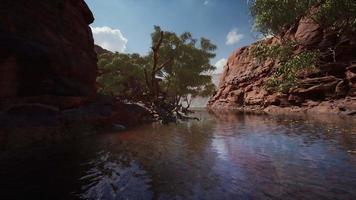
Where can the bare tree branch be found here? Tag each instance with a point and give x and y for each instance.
(165, 64)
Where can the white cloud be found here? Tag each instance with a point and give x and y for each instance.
(220, 64)
(110, 39)
(206, 2)
(233, 37)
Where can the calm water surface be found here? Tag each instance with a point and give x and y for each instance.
(222, 156)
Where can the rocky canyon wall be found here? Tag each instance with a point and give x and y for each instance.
(332, 89)
(48, 70)
(46, 48)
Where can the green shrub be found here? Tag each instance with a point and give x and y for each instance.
(288, 64)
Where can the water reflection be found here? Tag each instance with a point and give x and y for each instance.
(114, 177)
(222, 156)
(177, 157)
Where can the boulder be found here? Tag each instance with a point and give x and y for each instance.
(317, 88)
(308, 33)
(351, 78)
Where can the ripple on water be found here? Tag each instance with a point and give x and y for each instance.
(222, 156)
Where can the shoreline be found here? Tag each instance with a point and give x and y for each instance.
(293, 110)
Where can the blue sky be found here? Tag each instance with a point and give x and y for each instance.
(126, 25)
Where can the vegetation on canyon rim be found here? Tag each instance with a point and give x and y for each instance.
(175, 70)
(276, 17)
(289, 64)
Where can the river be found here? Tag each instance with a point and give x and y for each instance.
(222, 156)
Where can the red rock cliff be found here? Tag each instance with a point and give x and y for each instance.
(332, 89)
(46, 48)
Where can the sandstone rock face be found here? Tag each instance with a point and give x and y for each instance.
(46, 48)
(48, 70)
(331, 89)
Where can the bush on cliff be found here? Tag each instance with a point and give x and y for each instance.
(276, 17)
(289, 64)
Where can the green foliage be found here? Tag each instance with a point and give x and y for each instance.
(276, 16)
(298, 62)
(286, 76)
(288, 64)
(121, 75)
(127, 75)
(188, 72)
(337, 14)
(279, 52)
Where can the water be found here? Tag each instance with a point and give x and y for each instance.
(222, 156)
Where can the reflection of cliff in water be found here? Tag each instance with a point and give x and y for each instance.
(308, 127)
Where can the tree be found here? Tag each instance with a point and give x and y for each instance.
(182, 63)
(121, 75)
(277, 16)
(176, 68)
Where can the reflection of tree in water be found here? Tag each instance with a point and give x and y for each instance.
(114, 177)
(178, 160)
